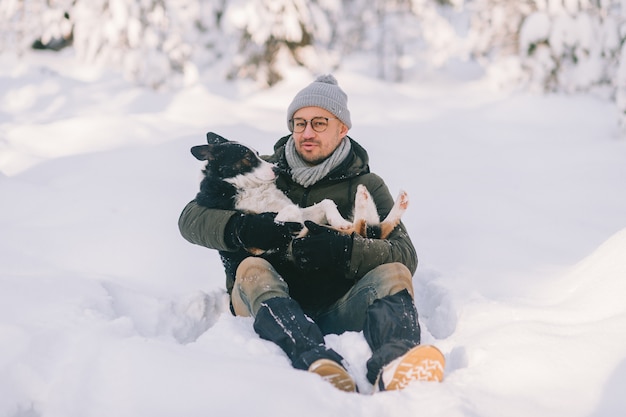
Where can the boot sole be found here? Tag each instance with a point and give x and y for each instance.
(334, 373)
(422, 363)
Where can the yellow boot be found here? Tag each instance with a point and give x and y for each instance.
(421, 363)
(334, 373)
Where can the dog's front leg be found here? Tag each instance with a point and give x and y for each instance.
(290, 213)
(332, 215)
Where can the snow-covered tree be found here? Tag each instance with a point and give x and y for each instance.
(401, 35)
(272, 34)
(572, 45)
(152, 40)
(495, 27)
(24, 22)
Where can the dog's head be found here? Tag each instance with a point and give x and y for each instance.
(232, 161)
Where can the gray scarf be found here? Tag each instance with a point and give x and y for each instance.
(307, 175)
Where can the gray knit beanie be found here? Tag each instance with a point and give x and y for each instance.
(325, 93)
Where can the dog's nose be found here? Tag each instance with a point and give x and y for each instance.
(276, 170)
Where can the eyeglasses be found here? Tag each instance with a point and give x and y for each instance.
(319, 124)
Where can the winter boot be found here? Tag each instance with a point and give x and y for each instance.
(334, 373)
(282, 321)
(391, 329)
(422, 363)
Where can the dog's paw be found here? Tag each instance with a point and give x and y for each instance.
(362, 198)
(343, 225)
(335, 220)
(289, 214)
(403, 200)
(364, 206)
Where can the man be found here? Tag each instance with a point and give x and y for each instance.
(335, 282)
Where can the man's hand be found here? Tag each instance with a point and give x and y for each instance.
(259, 231)
(322, 249)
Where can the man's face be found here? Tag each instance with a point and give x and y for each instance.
(314, 147)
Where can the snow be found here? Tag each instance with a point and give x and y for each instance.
(518, 214)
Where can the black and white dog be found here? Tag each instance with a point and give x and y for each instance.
(236, 178)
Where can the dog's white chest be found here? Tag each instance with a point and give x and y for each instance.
(261, 199)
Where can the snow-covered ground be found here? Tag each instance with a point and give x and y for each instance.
(518, 214)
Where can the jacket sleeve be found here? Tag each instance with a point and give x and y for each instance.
(367, 253)
(204, 226)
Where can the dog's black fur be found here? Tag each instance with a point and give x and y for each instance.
(225, 159)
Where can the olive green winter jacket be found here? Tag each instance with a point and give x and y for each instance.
(205, 227)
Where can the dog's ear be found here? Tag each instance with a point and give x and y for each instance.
(201, 152)
(215, 139)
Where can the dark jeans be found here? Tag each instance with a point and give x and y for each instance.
(380, 304)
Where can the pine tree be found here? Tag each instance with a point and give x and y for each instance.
(37, 23)
(571, 45)
(273, 34)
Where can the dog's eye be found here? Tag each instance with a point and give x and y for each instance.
(249, 159)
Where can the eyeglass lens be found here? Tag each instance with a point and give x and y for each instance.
(319, 124)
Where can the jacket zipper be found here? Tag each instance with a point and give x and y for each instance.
(305, 197)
